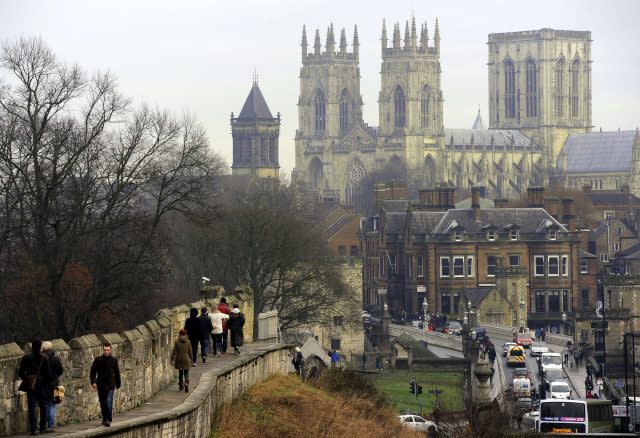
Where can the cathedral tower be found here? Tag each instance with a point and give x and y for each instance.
(255, 137)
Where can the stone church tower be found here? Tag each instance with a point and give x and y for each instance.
(255, 135)
(540, 83)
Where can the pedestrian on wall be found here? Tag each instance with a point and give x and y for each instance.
(235, 324)
(364, 360)
(543, 334)
(35, 373)
(378, 359)
(296, 361)
(182, 358)
(218, 322)
(55, 365)
(192, 326)
(600, 384)
(223, 307)
(105, 378)
(205, 333)
(334, 359)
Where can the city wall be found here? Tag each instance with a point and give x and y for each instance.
(143, 353)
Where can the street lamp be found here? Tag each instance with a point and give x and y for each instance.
(522, 321)
(425, 308)
(564, 321)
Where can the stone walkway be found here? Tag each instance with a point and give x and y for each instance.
(162, 401)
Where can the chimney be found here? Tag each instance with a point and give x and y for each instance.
(475, 203)
(569, 213)
(440, 198)
(535, 197)
(380, 193)
(396, 190)
(552, 205)
(500, 203)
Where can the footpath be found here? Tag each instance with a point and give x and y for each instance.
(577, 375)
(163, 401)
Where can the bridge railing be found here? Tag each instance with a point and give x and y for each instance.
(437, 339)
(506, 332)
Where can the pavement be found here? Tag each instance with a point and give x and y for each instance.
(164, 400)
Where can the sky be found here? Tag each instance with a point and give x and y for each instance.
(200, 56)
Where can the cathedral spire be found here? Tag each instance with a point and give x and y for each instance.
(316, 43)
(396, 36)
(384, 34)
(436, 37)
(407, 38)
(343, 42)
(304, 41)
(331, 41)
(423, 36)
(356, 41)
(413, 33)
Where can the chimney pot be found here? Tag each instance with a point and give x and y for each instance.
(475, 202)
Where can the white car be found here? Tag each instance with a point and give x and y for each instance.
(416, 422)
(560, 389)
(551, 361)
(538, 348)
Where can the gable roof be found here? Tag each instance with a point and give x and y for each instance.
(599, 152)
(528, 219)
(478, 294)
(631, 253)
(482, 137)
(255, 107)
(612, 197)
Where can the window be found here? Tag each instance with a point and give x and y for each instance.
(392, 263)
(609, 214)
(456, 302)
(457, 236)
(445, 302)
(565, 266)
(553, 266)
(552, 235)
(615, 247)
(335, 344)
(337, 321)
(584, 298)
(554, 300)
(604, 258)
(424, 108)
(559, 87)
(492, 262)
(381, 266)
(532, 88)
(584, 335)
(514, 260)
(458, 266)
(513, 234)
(584, 266)
(575, 88)
(565, 300)
(344, 112)
(540, 305)
(470, 271)
(491, 235)
(420, 268)
(445, 267)
(627, 269)
(539, 266)
(619, 231)
(509, 90)
(409, 266)
(320, 113)
(342, 251)
(399, 106)
(354, 250)
(599, 340)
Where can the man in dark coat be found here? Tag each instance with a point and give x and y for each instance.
(235, 324)
(105, 377)
(35, 373)
(223, 307)
(206, 326)
(56, 371)
(192, 326)
(296, 360)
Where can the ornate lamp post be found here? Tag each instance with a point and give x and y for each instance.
(523, 323)
(564, 322)
(425, 310)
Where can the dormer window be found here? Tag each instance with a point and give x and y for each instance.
(513, 234)
(552, 235)
(491, 235)
(457, 236)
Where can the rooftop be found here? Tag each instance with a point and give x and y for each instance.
(592, 152)
(255, 107)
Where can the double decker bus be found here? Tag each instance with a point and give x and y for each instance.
(575, 416)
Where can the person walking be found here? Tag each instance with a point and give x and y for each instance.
(600, 384)
(205, 333)
(105, 378)
(235, 324)
(378, 359)
(296, 360)
(218, 320)
(543, 334)
(223, 307)
(364, 360)
(192, 326)
(35, 372)
(55, 364)
(182, 358)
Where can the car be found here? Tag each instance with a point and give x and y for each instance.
(553, 375)
(523, 339)
(560, 389)
(529, 420)
(550, 361)
(524, 404)
(521, 373)
(515, 356)
(505, 348)
(481, 333)
(522, 387)
(538, 347)
(416, 422)
(454, 328)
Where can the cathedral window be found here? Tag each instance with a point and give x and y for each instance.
(315, 171)
(509, 90)
(353, 177)
(532, 88)
(424, 107)
(559, 87)
(344, 112)
(575, 88)
(399, 106)
(320, 107)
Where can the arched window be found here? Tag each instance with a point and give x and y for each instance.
(273, 159)
(509, 90)
(264, 149)
(559, 87)
(321, 120)
(399, 106)
(429, 170)
(355, 173)
(575, 88)
(344, 112)
(532, 88)
(424, 107)
(316, 173)
(247, 155)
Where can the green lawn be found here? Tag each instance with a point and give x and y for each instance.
(396, 384)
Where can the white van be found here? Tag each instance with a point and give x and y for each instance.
(551, 361)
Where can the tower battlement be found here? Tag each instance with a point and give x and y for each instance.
(412, 45)
(331, 52)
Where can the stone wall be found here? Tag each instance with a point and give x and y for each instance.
(143, 354)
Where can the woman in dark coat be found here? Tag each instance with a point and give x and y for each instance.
(35, 368)
(235, 324)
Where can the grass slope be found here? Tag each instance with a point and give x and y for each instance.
(286, 407)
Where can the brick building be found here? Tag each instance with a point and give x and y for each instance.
(431, 249)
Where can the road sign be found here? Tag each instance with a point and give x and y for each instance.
(421, 288)
(435, 391)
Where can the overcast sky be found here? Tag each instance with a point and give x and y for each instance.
(200, 55)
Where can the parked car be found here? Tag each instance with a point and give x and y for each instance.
(505, 348)
(538, 348)
(416, 422)
(523, 339)
(560, 389)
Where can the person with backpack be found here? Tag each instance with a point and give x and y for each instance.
(192, 326)
(205, 333)
(223, 307)
(296, 361)
(235, 324)
(218, 321)
(182, 358)
(36, 376)
(55, 365)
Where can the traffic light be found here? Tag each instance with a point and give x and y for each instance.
(412, 386)
(419, 389)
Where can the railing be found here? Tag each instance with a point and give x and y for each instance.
(437, 339)
(506, 332)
